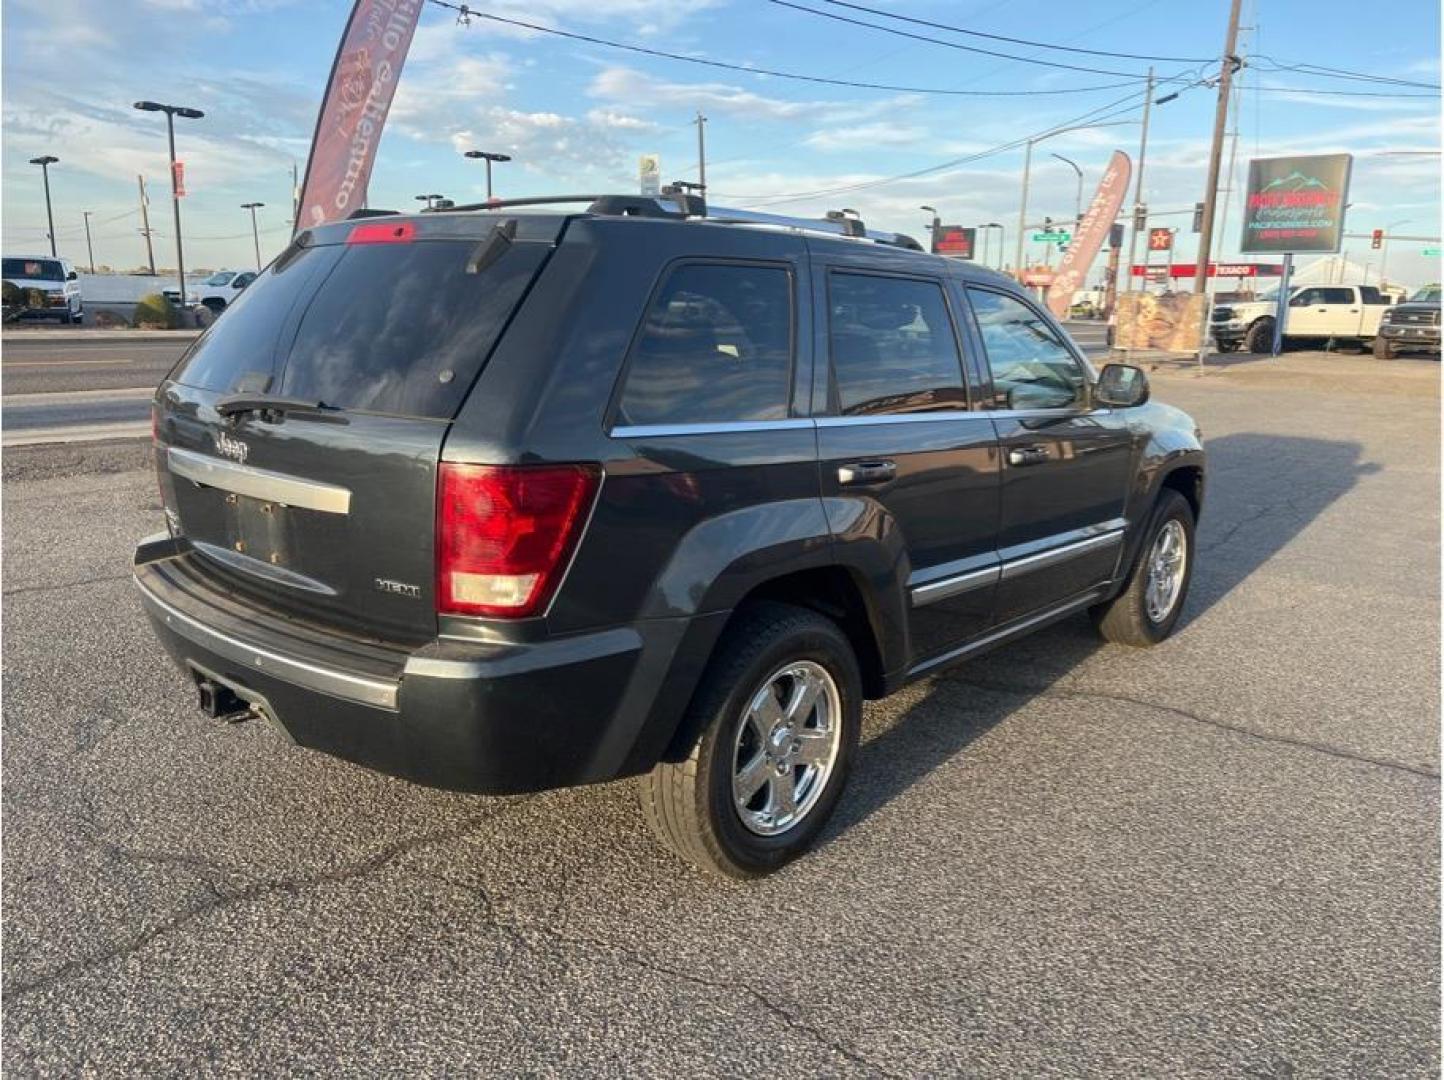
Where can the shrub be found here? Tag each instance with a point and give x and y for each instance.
(155, 312)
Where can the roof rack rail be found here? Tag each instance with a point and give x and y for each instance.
(676, 201)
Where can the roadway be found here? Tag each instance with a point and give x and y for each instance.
(65, 387)
(89, 385)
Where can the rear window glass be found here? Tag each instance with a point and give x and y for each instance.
(239, 351)
(33, 270)
(716, 346)
(404, 328)
(390, 328)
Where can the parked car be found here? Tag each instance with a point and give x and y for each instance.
(502, 500)
(1317, 313)
(43, 288)
(218, 291)
(1410, 326)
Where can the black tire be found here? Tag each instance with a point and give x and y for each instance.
(1126, 620)
(215, 304)
(1384, 348)
(688, 801)
(1260, 337)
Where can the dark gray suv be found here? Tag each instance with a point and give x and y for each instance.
(502, 499)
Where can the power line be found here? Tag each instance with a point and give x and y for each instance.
(1321, 72)
(1338, 93)
(470, 12)
(950, 44)
(1016, 41)
(1096, 115)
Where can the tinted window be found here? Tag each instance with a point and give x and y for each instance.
(716, 346)
(1372, 295)
(1338, 296)
(33, 270)
(222, 278)
(1032, 368)
(893, 347)
(239, 351)
(402, 328)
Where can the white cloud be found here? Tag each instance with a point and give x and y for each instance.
(852, 137)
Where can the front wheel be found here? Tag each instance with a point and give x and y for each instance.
(1149, 608)
(1383, 348)
(1260, 337)
(769, 739)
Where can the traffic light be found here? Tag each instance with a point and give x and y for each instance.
(1198, 217)
(1378, 241)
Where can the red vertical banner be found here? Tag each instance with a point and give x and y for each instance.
(178, 177)
(1097, 222)
(353, 111)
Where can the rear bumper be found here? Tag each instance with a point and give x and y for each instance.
(487, 718)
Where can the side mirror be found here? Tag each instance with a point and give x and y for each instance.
(1121, 386)
(71, 276)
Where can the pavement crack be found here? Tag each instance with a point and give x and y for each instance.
(1197, 718)
(222, 898)
(18, 590)
(787, 1013)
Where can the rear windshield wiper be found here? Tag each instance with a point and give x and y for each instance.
(275, 404)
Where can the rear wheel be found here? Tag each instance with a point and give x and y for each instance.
(1384, 348)
(772, 730)
(1260, 337)
(1149, 608)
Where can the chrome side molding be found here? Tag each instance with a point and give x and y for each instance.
(934, 591)
(258, 483)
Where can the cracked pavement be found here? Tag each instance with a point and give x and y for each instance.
(1070, 859)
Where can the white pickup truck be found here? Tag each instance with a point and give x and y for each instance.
(1316, 313)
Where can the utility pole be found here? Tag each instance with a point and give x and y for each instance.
(1226, 69)
(701, 123)
(90, 251)
(1138, 193)
(255, 235)
(145, 224)
(1023, 212)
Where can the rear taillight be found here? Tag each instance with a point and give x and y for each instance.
(382, 233)
(504, 534)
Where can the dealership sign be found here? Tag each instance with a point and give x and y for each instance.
(1296, 203)
(954, 240)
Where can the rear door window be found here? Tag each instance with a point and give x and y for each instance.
(716, 346)
(893, 346)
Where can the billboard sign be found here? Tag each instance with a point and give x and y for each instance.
(955, 241)
(649, 174)
(1188, 270)
(1097, 223)
(1296, 203)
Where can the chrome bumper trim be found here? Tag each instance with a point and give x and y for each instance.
(258, 483)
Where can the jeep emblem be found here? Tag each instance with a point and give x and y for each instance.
(231, 448)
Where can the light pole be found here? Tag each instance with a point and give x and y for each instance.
(171, 112)
(1384, 251)
(933, 228)
(1077, 199)
(255, 234)
(429, 200)
(1002, 240)
(89, 251)
(45, 162)
(1027, 170)
(488, 157)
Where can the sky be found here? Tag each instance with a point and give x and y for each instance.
(576, 116)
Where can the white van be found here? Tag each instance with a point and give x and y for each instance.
(49, 287)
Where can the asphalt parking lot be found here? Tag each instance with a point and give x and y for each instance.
(1216, 857)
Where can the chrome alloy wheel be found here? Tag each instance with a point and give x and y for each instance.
(786, 747)
(1167, 561)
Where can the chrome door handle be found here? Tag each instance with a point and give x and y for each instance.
(1028, 455)
(866, 472)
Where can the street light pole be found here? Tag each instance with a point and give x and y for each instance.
(933, 229)
(488, 157)
(89, 251)
(1077, 199)
(1138, 192)
(429, 200)
(255, 234)
(45, 162)
(171, 112)
(701, 123)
